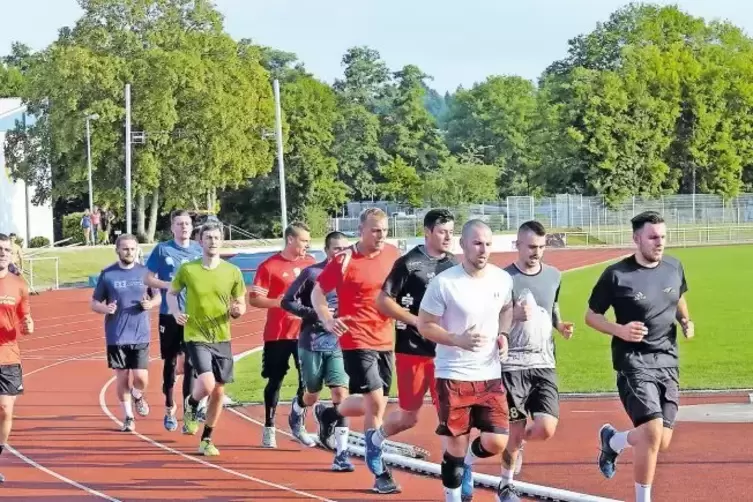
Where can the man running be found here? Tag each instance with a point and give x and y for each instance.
(647, 292)
(467, 312)
(321, 360)
(400, 299)
(529, 373)
(163, 262)
(15, 319)
(273, 277)
(126, 302)
(215, 292)
(366, 335)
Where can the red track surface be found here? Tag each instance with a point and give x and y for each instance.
(65, 429)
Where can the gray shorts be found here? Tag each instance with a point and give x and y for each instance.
(215, 358)
(650, 393)
(532, 391)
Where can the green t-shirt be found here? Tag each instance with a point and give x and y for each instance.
(209, 294)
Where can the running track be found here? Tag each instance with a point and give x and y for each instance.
(66, 442)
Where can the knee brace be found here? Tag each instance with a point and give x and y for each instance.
(452, 471)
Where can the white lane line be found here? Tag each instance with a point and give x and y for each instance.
(44, 469)
(199, 460)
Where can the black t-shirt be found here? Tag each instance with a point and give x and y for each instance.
(406, 284)
(648, 295)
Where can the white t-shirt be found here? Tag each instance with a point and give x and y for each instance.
(460, 301)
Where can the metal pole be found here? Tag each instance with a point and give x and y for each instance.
(129, 223)
(694, 193)
(27, 199)
(280, 160)
(89, 164)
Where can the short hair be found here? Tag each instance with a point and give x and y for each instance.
(437, 217)
(295, 227)
(333, 236)
(209, 227)
(533, 226)
(177, 213)
(471, 225)
(12, 234)
(125, 237)
(4, 238)
(371, 211)
(639, 220)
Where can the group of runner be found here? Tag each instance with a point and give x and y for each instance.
(477, 337)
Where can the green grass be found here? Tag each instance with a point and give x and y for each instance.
(717, 358)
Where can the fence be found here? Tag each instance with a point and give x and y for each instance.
(564, 211)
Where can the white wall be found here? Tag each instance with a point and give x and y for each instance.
(13, 206)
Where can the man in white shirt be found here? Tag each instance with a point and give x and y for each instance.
(467, 311)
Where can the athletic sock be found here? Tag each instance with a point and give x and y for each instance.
(207, 433)
(476, 451)
(642, 493)
(453, 494)
(619, 441)
(341, 439)
(379, 436)
(127, 410)
(193, 403)
(136, 393)
(507, 475)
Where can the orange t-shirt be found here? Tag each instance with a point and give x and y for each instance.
(272, 279)
(14, 306)
(358, 280)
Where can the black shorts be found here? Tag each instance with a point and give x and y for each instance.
(275, 358)
(368, 370)
(650, 393)
(170, 337)
(215, 358)
(128, 357)
(532, 391)
(11, 380)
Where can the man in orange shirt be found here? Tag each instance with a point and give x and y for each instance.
(366, 335)
(15, 318)
(272, 279)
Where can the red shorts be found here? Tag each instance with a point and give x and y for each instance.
(415, 375)
(462, 406)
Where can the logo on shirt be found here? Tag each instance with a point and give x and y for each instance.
(668, 290)
(169, 260)
(7, 300)
(127, 284)
(296, 271)
(639, 297)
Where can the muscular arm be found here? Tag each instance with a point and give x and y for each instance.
(389, 307)
(152, 281)
(600, 323)
(429, 327)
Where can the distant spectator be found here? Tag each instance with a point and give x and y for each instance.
(108, 217)
(86, 226)
(96, 219)
(17, 254)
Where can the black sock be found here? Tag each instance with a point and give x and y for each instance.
(207, 434)
(478, 449)
(193, 403)
(169, 401)
(299, 399)
(271, 398)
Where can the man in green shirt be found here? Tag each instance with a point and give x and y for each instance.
(215, 292)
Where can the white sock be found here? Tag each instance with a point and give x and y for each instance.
(619, 441)
(470, 458)
(642, 493)
(203, 402)
(378, 437)
(127, 408)
(136, 393)
(508, 475)
(452, 494)
(296, 407)
(341, 439)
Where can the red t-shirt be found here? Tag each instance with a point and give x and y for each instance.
(14, 306)
(358, 280)
(273, 277)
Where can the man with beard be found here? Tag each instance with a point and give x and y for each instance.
(366, 335)
(400, 299)
(15, 319)
(467, 312)
(647, 292)
(163, 262)
(126, 302)
(529, 372)
(273, 278)
(215, 292)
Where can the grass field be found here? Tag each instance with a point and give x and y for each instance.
(717, 358)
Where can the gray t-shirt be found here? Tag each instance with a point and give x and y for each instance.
(531, 344)
(649, 295)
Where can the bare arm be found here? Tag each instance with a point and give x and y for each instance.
(101, 307)
(429, 327)
(172, 302)
(600, 323)
(319, 302)
(389, 307)
(152, 281)
(506, 318)
(682, 309)
(262, 302)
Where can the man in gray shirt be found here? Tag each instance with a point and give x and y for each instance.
(529, 372)
(647, 293)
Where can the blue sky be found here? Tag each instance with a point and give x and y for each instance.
(457, 42)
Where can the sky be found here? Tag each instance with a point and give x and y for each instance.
(456, 42)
